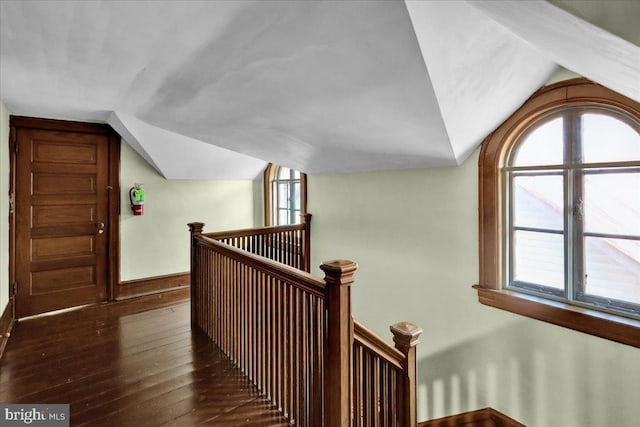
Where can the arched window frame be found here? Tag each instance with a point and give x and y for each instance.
(492, 216)
(271, 174)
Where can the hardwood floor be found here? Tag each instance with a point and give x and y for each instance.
(132, 363)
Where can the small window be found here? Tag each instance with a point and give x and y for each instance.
(560, 211)
(285, 195)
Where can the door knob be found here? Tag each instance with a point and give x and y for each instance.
(100, 227)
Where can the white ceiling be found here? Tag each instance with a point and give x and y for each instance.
(213, 90)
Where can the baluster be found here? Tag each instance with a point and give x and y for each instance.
(313, 351)
(206, 274)
(366, 389)
(288, 249)
(291, 335)
(294, 355)
(286, 361)
(237, 339)
(223, 305)
(384, 399)
(272, 339)
(252, 318)
(258, 331)
(357, 385)
(317, 332)
(236, 308)
(291, 248)
(273, 359)
(267, 337)
(247, 300)
(304, 362)
(406, 336)
(376, 391)
(260, 351)
(278, 349)
(218, 281)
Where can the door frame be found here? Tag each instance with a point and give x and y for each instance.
(113, 202)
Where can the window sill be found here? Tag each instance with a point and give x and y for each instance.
(604, 325)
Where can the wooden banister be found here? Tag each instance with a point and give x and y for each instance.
(293, 334)
(406, 336)
(337, 398)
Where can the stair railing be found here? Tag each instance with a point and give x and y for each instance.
(293, 334)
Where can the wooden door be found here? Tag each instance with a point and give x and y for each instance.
(61, 219)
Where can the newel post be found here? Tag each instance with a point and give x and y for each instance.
(306, 244)
(339, 342)
(196, 229)
(406, 336)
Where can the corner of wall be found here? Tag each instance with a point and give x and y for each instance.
(4, 206)
(258, 202)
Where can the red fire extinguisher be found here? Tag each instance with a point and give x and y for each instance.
(136, 196)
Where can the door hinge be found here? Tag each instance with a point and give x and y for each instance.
(14, 288)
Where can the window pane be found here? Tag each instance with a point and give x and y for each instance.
(296, 174)
(274, 201)
(284, 173)
(539, 258)
(283, 217)
(283, 196)
(543, 146)
(296, 217)
(296, 195)
(606, 139)
(612, 268)
(612, 203)
(538, 202)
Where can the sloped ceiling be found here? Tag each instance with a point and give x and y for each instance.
(214, 90)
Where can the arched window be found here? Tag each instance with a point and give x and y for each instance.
(285, 195)
(560, 211)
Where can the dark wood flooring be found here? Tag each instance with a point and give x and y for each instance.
(131, 363)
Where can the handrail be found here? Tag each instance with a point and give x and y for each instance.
(370, 340)
(287, 244)
(218, 235)
(293, 334)
(298, 278)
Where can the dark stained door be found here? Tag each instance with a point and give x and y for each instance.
(61, 219)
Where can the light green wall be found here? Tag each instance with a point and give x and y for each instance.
(258, 202)
(4, 207)
(157, 243)
(414, 235)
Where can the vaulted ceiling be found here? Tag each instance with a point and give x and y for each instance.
(214, 90)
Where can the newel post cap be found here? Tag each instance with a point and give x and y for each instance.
(196, 227)
(405, 334)
(339, 272)
(305, 218)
